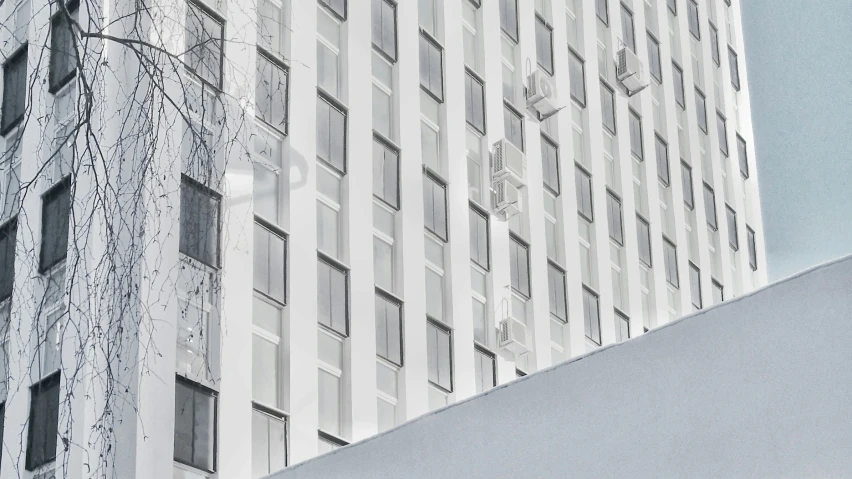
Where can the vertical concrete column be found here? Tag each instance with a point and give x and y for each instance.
(361, 374)
(303, 238)
(413, 380)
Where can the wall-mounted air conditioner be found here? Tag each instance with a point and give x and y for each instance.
(513, 336)
(509, 163)
(507, 199)
(630, 71)
(541, 94)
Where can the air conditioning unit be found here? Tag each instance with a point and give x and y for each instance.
(629, 70)
(541, 94)
(507, 199)
(509, 163)
(513, 336)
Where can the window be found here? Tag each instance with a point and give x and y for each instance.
(556, 292)
(513, 126)
(435, 205)
(577, 78)
(479, 242)
(550, 165)
(654, 59)
(199, 222)
(662, 150)
(608, 108)
(718, 292)
(439, 355)
(266, 363)
(643, 231)
(384, 119)
(330, 382)
(55, 213)
(63, 59)
(544, 44)
(584, 193)
(670, 261)
(680, 94)
(686, 178)
(195, 425)
(204, 34)
(328, 52)
(332, 296)
(328, 443)
(752, 248)
(735, 69)
(384, 27)
(271, 92)
(672, 6)
(714, 44)
(519, 266)
(710, 207)
(43, 422)
(636, 135)
(338, 7)
(8, 235)
(14, 90)
(692, 15)
(627, 32)
(387, 394)
(268, 443)
(552, 229)
(270, 262)
(331, 134)
(602, 10)
(509, 18)
(268, 176)
(733, 239)
(622, 327)
(616, 228)
(385, 173)
(272, 26)
(701, 110)
(591, 315)
(383, 246)
(742, 153)
(388, 328)
(474, 102)
(695, 285)
(431, 67)
(484, 364)
(723, 133)
(329, 230)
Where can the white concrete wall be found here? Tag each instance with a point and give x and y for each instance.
(756, 387)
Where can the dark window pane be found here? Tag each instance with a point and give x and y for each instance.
(63, 60)
(616, 228)
(608, 108)
(662, 151)
(735, 69)
(742, 153)
(8, 237)
(544, 45)
(636, 136)
(331, 134)
(199, 222)
(439, 350)
(195, 426)
(584, 193)
(670, 260)
(701, 110)
(435, 206)
(695, 285)
(336, 6)
(204, 44)
(602, 10)
(710, 206)
(14, 90)
(550, 165)
(484, 366)
(723, 133)
(672, 6)
(474, 103)
(644, 237)
(384, 27)
(622, 327)
(509, 18)
(271, 93)
(269, 443)
(714, 44)
(43, 422)
(556, 290)
(332, 297)
(752, 249)
(431, 68)
(519, 267)
(56, 211)
(680, 95)
(733, 238)
(654, 59)
(388, 329)
(385, 173)
(686, 178)
(692, 12)
(270, 271)
(577, 78)
(627, 32)
(513, 127)
(479, 242)
(591, 315)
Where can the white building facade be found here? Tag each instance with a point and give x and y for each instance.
(327, 260)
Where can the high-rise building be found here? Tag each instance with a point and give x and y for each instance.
(239, 234)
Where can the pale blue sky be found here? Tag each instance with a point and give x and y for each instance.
(799, 56)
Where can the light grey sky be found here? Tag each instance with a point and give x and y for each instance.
(799, 60)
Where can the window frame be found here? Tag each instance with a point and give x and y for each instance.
(582, 63)
(475, 209)
(742, 153)
(605, 13)
(435, 179)
(342, 16)
(480, 350)
(279, 233)
(711, 204)
(660, 145)
(472, 76)
(671, 266)
(715, 52)
(425, 36)
(509, 108)
(393, 300)
(677, 74)
(589, 293)
(692, 6)
(8, 238)
(216, 17)
(734, 65)
(642, 221)
(271, 414)
(654, 45)
(686, 172)
(588, 180)
(751, 239)
(62, 187)
(611, 107)
(55, 84)
(214, 195)
(624, 24)
(733, 232)
(514, 35)
(613, 199)
(540, 21)
(388, 146)
(701, 110)
(553, 268)
(547, 142)
(284, 69)
(44, 386)
(672, 4)
(333, 103)
(722, 130)
(381, 48)
(695, 287)
(521, 244)
(717, 286)
(341, 268)
(441, 327)
(20, 55)
(635, 119)
(620, 316)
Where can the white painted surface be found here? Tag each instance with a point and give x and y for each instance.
(757, 387)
